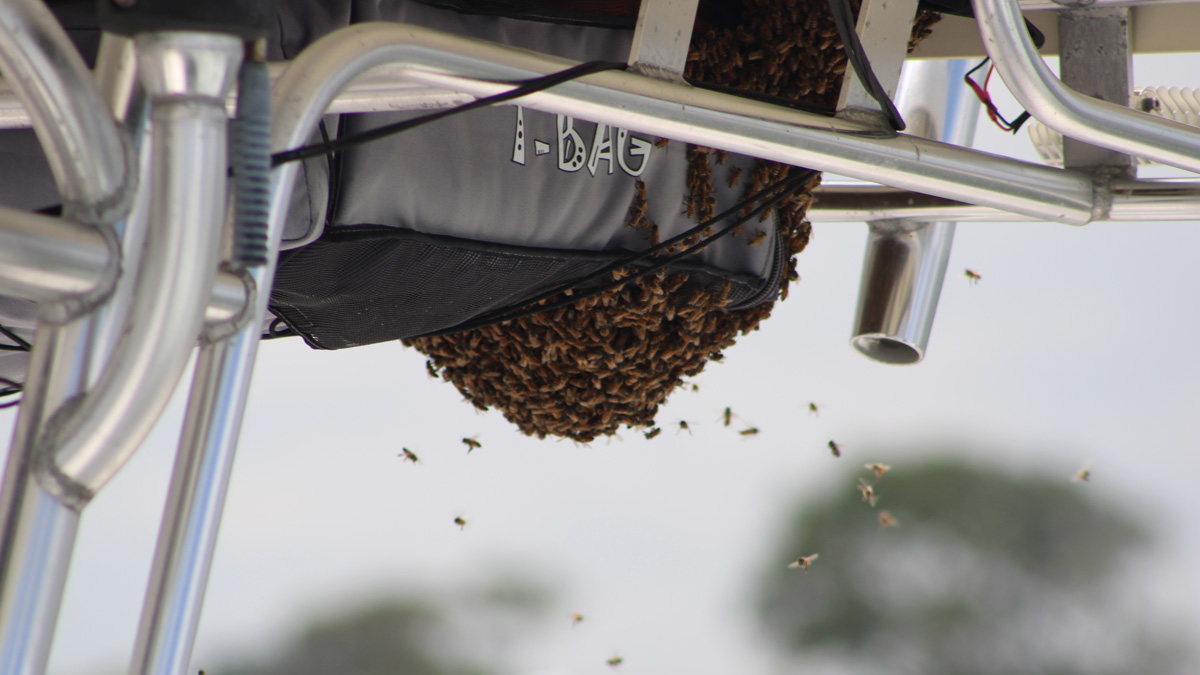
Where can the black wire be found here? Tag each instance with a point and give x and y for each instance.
(11, 387)
(842, 16)
(787, 185)
(524, 88)
(20, 345)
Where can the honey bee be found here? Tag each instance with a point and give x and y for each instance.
(751, 431)
(972, 276)
(833, 447)
(735, 176)
(615, 661)
(430, 369)
(721, 154)
(472, 443)
(728, 415)
(868, 492)
(695, 388)
(653, 432)
(878, 469)
(576, 618)
(803, 562)
(812, 410)
(887, 520)
(757, 238)
(1084, 474)
(662, 142)
(460, 522)
(684, 426)
(408, 455)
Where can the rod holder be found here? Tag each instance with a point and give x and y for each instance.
(906, 260)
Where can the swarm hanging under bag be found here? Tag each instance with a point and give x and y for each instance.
(584, 369)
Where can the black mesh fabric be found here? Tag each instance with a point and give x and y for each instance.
(368, 284)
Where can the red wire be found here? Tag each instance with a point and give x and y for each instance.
(984, 98)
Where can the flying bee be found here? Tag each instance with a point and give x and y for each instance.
(576, 618)
(757, 238)
(653, 432)
(1083, 475)
(868, 492)
(833, 447)
(812, 409)
(886, 519)
(408, 455)
(727, 415)
(878, 469)
(472, 443)
(803, 562)
(972, 276)
(460, 522)
(615, 661)
(684, 426)
(750, 431)
(695, 388)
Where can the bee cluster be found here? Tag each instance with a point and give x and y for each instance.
(584, 369)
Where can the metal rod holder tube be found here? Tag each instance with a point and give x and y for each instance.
(1065, 110)
(905, 261)
(186, 76)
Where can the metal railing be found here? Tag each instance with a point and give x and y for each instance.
(86, 407)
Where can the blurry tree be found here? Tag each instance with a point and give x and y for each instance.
(460, 633)
(985, 574)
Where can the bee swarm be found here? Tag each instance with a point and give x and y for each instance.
(585, 369)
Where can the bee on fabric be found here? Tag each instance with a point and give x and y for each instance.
(408, 455)
(661, 143)
(868, 492)
(833, 447)
(460, 522)
(756, 239)
(878, 469)
(803, 562)
(972, 276)
(1083, 475)
(734, 176)
(472, 443)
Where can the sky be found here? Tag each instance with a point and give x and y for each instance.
(1075, 346)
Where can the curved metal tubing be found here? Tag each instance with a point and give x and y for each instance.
(86, 152)
(689, 114)
(51, 260)
(186, 76)
(1061, 108)
(1132, 201)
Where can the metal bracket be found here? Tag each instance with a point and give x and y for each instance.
(884, 28)
(1096, 61)
(662, 37)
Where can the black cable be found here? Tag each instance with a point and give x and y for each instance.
(843, 17)
(19, 343)
(11, 387)
(523, 88)
(786, 185)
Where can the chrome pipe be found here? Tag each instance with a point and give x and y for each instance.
(1132, 201)
(694, 115)
(905, 261)
(1033, 5)
(86, 152)
(1065, 110)
(38, 530)
(186, 76)
(53, 260)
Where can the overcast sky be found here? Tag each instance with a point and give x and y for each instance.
(1076, 345)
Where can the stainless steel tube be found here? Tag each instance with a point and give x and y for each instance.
(905, 261)
(1061, 108)
(85, 150)
(52, 260)
(186, 76)
(1031, 5)
(632, 101)
(38, 530)
(1131, 201)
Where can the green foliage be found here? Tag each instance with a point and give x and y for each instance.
(987, 573)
